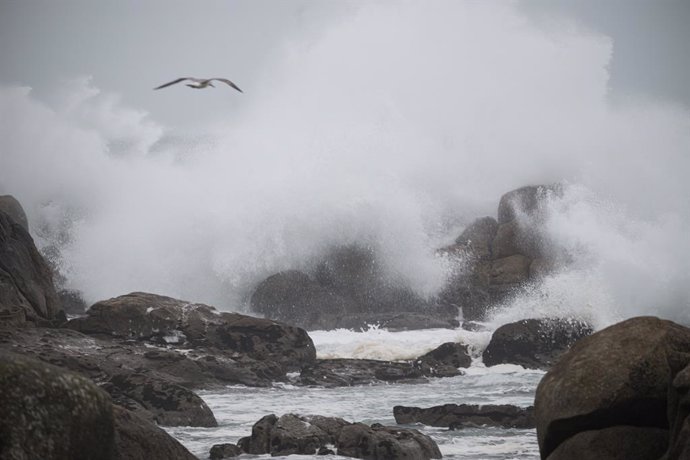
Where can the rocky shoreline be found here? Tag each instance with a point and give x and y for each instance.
(132, 363)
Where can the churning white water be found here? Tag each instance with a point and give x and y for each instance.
(237, 408)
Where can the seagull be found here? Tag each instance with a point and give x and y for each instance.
(199, 83)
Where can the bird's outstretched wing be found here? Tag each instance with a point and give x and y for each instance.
(228, 82)
(165, 85)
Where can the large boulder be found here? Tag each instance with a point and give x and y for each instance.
(620, 376)
(614, 443)
(456, 416)
(26, 283)
(533, 343)
(139, 439)
(10, 206)
(169, 404)
(50, 413)
(528, 201)
(477, 238)
(176, 323)
(378, 442)
(492, 259)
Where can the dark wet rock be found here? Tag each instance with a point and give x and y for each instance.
(356, 273)
(314, 434)
(292, 434)
(474, 326)
(477, 238)
(170, 404)
(508, 254)
(621, 375)
(614, 443)
(533, 343)
(50, 413)
(511, 270)
(166, 321)
(518, 237)
(349, 288)
(527, 201)
(679, 405)
(220, 451)
(456, 416)
(140, 439)
(10, 206)
(72, 302)
(100, 358)
(445, 360)
(26, 281)
(349, 372)
(293, 297)
(431, 318)
(379, 442)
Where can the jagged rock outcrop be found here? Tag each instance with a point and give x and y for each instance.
(494, 258)
(456, 416)
(630, 374)
(534, 343)
(27, 292)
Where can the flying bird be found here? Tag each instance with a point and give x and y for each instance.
(199, 83)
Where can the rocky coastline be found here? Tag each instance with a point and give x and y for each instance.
(126, 366)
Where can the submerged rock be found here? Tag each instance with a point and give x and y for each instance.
(621, 376)
(533, 343)
(456, 416)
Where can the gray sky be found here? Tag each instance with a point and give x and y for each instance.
(130, 46)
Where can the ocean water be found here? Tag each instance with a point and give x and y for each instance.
(237, 408)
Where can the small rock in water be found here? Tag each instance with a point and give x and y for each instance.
(220, 451)
(458, 416)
